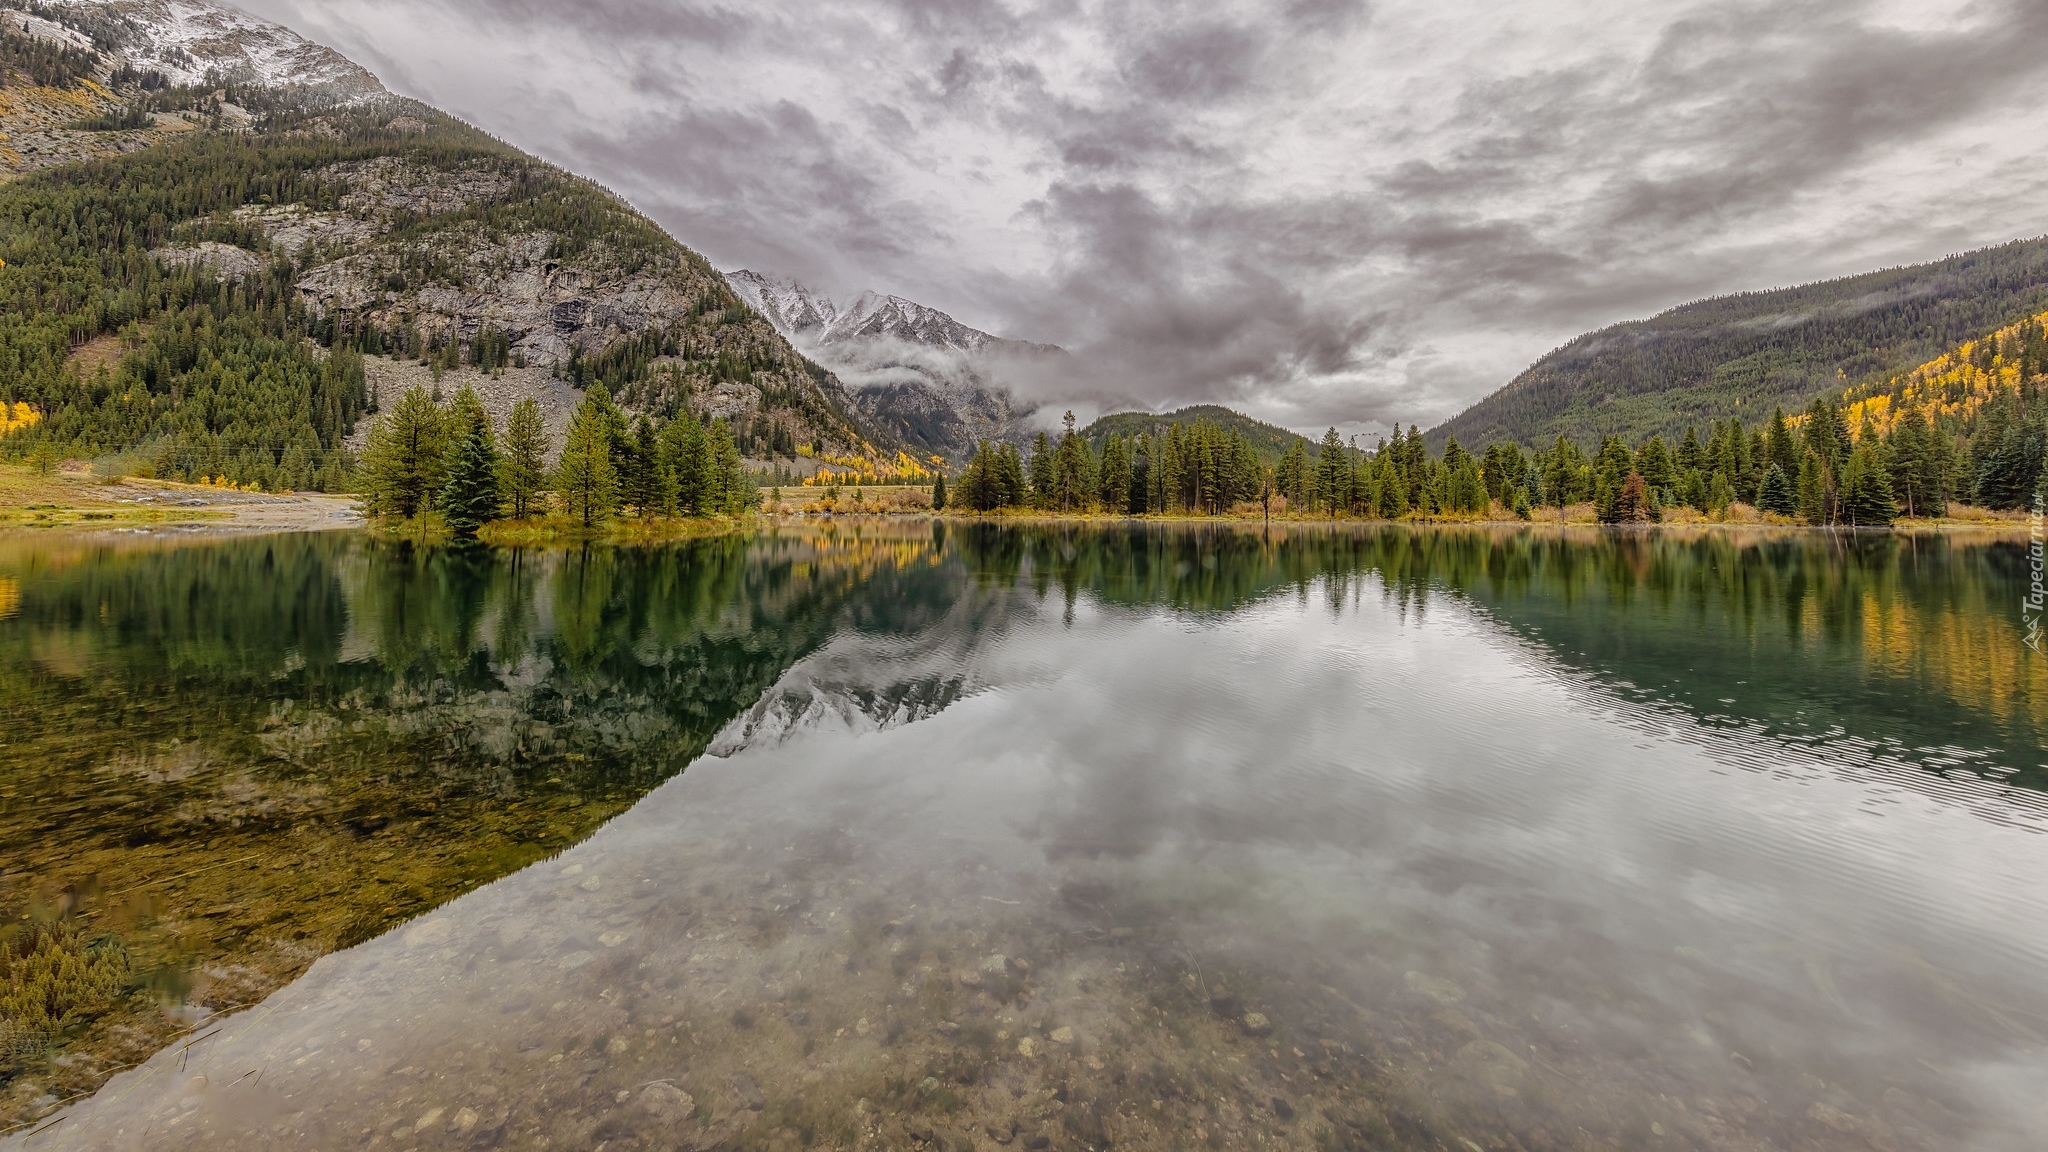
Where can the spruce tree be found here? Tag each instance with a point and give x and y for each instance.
(1010, 490)
(1333, 475)
(1867, 500)
(1653, 460)
(643, 489)
(525, 461)
(1394, 498)
(1042, 476)
(1610, 469)
(471, 498)
(939, 493)
(686, 458)
(1776, 493)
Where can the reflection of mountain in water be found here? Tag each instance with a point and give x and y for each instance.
(323, 736)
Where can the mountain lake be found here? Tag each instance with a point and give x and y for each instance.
(944, 834)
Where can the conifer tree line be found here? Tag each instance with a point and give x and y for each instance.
(424, 456)
(1812, 467)
(1198, 467)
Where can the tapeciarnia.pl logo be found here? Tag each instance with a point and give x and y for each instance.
(2036, 597)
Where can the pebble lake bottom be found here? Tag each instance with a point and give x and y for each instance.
(1064, 838)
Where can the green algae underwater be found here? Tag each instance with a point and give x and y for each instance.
(929, 888)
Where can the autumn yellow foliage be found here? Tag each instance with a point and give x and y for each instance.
(875, 469)
(16, 416)
(1956, 383)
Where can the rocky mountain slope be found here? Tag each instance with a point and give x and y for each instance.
(931, 381)
(344, 226)
(1747, 354)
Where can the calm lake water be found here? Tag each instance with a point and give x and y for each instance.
(952, 836)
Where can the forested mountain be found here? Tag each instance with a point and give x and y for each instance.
(1269, 441)
(1745, 355)
(206, 302)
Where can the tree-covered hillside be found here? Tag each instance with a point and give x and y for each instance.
(1268, 441)
(1746, 355)
(201, 306)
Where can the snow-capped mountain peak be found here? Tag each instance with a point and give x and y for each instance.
(788, 305)
(799, 311)
(192, 42)
(933, 381)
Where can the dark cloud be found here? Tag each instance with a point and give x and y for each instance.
(1329, 212)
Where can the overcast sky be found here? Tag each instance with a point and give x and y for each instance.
(1320, 211)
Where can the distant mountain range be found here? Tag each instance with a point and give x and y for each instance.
(913, 371)
(1746, 354)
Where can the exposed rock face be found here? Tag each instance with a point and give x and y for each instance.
(227, 261)
(932, 381)
(406, 253)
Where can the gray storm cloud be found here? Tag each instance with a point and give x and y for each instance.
(1323, 212)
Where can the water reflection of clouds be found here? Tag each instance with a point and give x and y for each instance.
(1419, 839)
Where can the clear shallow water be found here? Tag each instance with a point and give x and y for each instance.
(1166, 839)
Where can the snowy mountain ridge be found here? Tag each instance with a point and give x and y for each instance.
(933, 381)
(795, 309)
(197, 43)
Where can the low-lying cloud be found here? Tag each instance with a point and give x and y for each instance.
(1325, 212)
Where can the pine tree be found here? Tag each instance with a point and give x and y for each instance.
(405, 461)
(584, 476)
(524, 464)
(1813, 495)
(685, 455)
(1394, 499)
(939, 493)
(1632, 504)
(728, 489)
